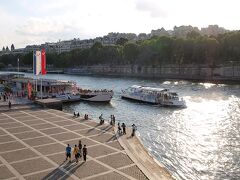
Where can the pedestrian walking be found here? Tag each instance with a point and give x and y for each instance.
(75, 152)
(80, 148)
(101, 119)
(124, 128)
(68, 152)
(9, 104)
(113, 119)
(119, 129)
(85, 153)
(134, 128)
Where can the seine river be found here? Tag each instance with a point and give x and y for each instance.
(201, 141)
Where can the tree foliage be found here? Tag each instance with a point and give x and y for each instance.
(194, 49)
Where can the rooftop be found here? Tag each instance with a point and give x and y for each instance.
(49, 81)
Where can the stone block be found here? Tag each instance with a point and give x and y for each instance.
(30, 166)
(116, 160)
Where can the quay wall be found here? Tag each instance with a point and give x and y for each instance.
(187, 72)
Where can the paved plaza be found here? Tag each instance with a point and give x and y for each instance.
(32, 146)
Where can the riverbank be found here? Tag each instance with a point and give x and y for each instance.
(138, 153)
(221, 73)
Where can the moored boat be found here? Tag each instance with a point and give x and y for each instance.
(159, 96)
(96, 95)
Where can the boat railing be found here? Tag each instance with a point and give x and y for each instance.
(94, 91)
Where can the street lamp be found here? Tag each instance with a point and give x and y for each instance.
(232, 63)
(18, 66)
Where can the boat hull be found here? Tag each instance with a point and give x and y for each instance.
(137, 100)
(98, 98)
(166, 104)
(68, 98)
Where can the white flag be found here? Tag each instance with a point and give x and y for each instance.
(38, 62)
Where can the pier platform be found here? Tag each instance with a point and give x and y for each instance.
(32, 146)
(55, 103)
(52, 103)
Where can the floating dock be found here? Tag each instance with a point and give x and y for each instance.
(55, 103)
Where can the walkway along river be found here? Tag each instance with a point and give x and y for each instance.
(199, 142)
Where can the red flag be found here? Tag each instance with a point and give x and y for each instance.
(43, 54)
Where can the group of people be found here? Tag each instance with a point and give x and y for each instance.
(5, 96)
(86, 116)
(112, 119)
(122, 129)
(76, 114)
(79, 151)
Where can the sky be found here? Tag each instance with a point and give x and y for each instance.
(28, 22)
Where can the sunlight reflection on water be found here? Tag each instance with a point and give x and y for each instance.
(199, 142)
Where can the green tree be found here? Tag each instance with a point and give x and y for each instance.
(122, 41)
(130, 53)
(193, 35)
(7, 89)
(12, 47)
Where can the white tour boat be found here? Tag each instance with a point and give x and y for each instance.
(152, 95)
(96, 95)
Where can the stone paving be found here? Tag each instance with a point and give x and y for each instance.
(32, 146)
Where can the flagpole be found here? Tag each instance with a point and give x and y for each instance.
(33, 72)
(41, 86)
(36, 86)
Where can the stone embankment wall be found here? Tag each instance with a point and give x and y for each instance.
(191, 72)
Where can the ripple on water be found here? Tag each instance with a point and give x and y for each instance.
(199, 142)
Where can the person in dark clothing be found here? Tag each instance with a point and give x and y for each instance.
(84, 153)
(119, 129)
(113, 119)
(134, 128)
(101, 119)
(78, 114)
(80, 148)
(9, 104)
(124, 128)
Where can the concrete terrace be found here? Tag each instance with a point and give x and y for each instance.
(32, 146)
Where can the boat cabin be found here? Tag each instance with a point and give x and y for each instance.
(50, 87)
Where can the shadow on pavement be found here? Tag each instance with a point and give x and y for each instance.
(59, 174)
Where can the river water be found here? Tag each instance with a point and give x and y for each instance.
(201, 141)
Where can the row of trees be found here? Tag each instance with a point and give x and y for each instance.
(7, 49)
(195, 49)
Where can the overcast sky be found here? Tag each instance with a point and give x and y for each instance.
(26, 22)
